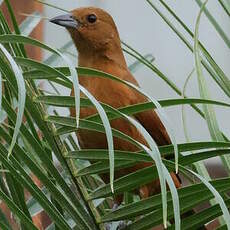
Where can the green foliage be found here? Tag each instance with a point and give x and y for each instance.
(72, 193)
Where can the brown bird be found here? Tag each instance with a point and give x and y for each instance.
(97, 41)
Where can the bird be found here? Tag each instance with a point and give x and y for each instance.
(98, 43)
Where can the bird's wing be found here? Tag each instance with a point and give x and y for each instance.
(152, 123)
(149, 119)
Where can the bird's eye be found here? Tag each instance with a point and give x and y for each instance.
(91, 18)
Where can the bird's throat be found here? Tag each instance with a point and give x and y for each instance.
(107, 61)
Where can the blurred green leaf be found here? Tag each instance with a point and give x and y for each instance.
(4, 223)
(137, 64)
(226, 6)
(16, 210)
(21, 96)
(216, 25)
(30, 23)
(188, 197)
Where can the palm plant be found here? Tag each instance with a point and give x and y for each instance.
(44, 144)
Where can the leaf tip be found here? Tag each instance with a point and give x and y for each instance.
(165, 224)
(10, 152)
(77, 121)
(112, 187)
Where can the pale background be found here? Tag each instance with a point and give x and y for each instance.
(145, 31)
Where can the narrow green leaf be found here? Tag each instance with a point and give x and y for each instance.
(103, 167)
(108, 131)
(102, 155)
(33, 189)
(220, 78)
(161, 113)
(223, 227)
(127, 183)
(68, 101)
(17, 193)
(21, 48)
(22, 39)
(76, 86)
(123, 158)
(134, 67)
(30, 23)
(37, 65)
(84, 124)
(226, 6)
(199, 219)
(216, 25)
(183, 107)
(17, 211)
(218, 198)
(51, 5)
(96, 154)
(71, 202)
(154, 153)
(187, 196)
(0, 95)
(155, 217)
(52, 58)
(21, 96)
(200, 166)
(204, 92)
(4, 222)
(150, 65)
(12, 38)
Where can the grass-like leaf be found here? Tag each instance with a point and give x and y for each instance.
(162, 171)
(26, 40)
(46, 69)
(218, 198)
(4, 223)
(33, 151)
(67, 101)
(199, 219)
(16, 210)
(204, 92)
(161, 113)
(52, 58)
(79, 214)
(0, 94)
(108, 131)
(215, 24)
(187, 197)
(21, 95)
(218, 74)
(51, 5)
(129, 158)
(26, 181)
(30, 23)
(135, 66)
(226, 6)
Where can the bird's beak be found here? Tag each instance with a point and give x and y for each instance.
(66, 20)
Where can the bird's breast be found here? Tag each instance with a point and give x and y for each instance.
(116, 95)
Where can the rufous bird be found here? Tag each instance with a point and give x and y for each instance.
(99, 47)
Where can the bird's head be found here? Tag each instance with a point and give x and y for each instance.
(91, 29)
